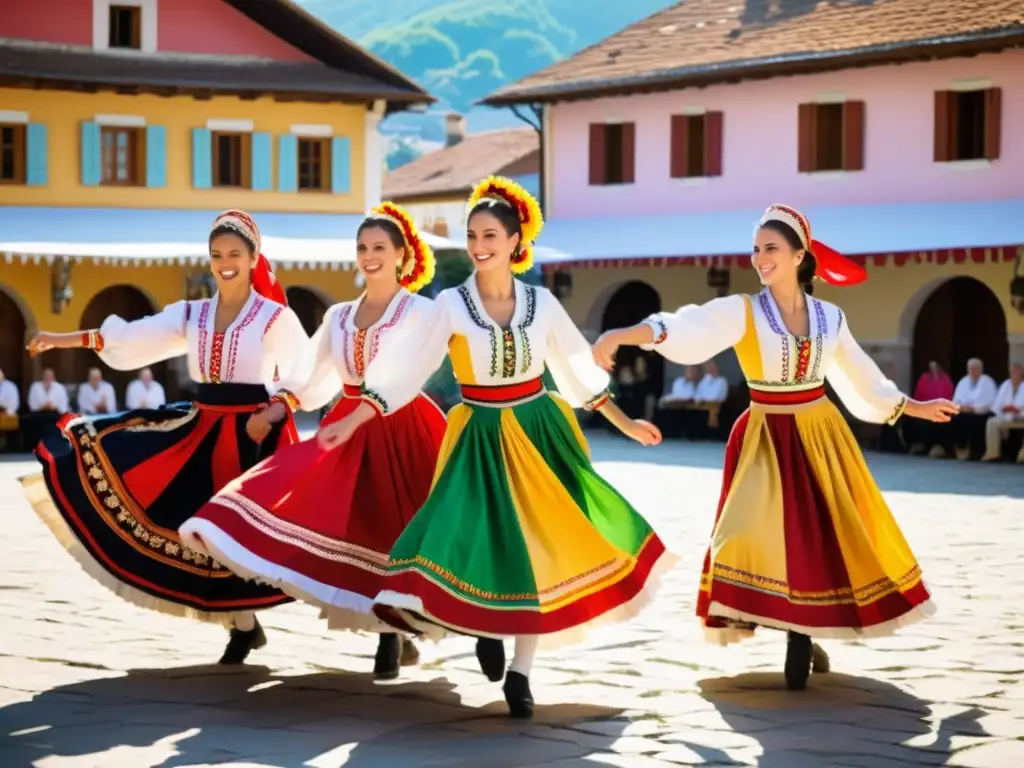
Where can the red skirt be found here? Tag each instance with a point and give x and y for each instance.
(803, 539)
(320, 524)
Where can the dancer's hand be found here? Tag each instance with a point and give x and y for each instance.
(258, 427)
(939, 411)
(44, 342)
(604, 350)
(338, 433)
(644, 432)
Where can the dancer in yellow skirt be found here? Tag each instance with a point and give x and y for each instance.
(803, 540)
(520, 536)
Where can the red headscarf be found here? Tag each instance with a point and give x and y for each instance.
(262, 276)
(833, 267)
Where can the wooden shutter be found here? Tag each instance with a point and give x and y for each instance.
(807, 139)
(713, 143)
(92, 161)
(598, 173)
(628, 153)
(853, 136)
(262, 162)
(341, 165)
(202, 158)
(156, 156)
(36, 155)
(677, 148)
(287, 163)
(944, 139)
(993, 122)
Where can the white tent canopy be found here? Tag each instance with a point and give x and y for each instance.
(148, 236)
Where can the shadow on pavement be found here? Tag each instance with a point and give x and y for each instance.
(838, 720)
(208, 714)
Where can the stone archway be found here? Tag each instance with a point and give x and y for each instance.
(956, 320)
(309, 305)
(629, 304)
(15, 326)
(129, 303)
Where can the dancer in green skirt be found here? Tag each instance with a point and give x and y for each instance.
(520, 536)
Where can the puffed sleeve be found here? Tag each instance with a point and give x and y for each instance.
(697, 332)
(313, 379)
(127, 345)
(860, 384)
(580, 381)
(406, 359)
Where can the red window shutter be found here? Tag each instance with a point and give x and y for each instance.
(628, 153)
(853, 136)
(713, 144)
(677, 147)
(993, 122)
(943, 126)
(598, 174)
(807, 144)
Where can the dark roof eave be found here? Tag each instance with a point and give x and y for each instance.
(463, 189)
(792, 64)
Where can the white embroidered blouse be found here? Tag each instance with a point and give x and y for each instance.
(265, 338)
(340, 353)
(484, 353)
(773, 359)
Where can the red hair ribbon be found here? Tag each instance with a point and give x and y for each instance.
(834, 268)
(264, 282)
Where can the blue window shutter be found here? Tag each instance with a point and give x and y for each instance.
(341, 165)
(202, 158)
(156, 156)
(36, 162)
(262, 161)
(92, 172)
(288, 163)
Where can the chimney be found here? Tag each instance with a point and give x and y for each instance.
(455, 129)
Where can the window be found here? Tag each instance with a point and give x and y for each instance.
(696, 145)
(612, 153)
(831, 137)
(121, 156)
(314, 164)
(12, 154)
(231, 159)
(125, 27)
(967, 125)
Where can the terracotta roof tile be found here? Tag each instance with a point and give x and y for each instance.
(704, 41)
(458, 168)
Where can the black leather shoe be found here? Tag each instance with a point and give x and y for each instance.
(491, 655)
(799, 651)
(241, 642)
(389, 654)
(518, 696)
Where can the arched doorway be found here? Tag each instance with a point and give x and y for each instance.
(630, 304)
(129, 303)
(961, 319)
(308, 305)
(13, 327)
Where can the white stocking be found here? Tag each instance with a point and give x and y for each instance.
(522, 659)
(245, 621)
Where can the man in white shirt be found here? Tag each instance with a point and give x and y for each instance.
(48, 395)
(975, 394)
(1007, 415)
(672, 417)
(10, 398)
(144, 392)
(713, 388)
(96, 396)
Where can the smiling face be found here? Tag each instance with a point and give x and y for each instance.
(775, 259)
(377, 256)
(489, 243)
(231, 259)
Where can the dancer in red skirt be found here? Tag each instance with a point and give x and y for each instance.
(318, 519)
(115, 488)
(803, 540)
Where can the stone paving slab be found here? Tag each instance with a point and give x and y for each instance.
(87, 681)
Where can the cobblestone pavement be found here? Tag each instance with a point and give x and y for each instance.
(86, 680)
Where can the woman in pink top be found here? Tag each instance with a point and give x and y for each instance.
(934, 384)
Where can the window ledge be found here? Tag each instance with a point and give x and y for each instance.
(692, 181)
(826, 175)
(968, 165)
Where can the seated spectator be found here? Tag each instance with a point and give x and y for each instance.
(934, 384)
(975, 394)
(1008, 416)
(48, 395)
(672, 416)
(712, 391)
(10, 398)
(144, 392)
(96, 396)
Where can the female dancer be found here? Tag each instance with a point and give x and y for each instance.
(318, 520)
(120, 485)
(803, 540)
(519, 536)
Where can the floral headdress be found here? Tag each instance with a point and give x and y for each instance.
(417, 269)
(833, 267)
(506, 192)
